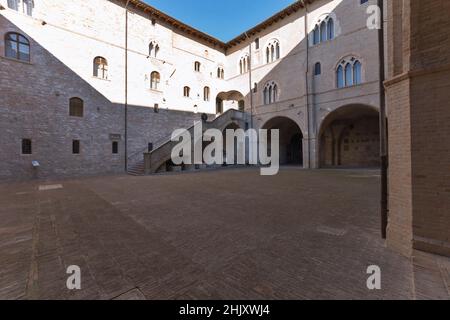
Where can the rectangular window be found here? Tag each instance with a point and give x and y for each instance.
(76, 107)
(28, 7)
(364, 1)
(26, 146)
(115, 147)
(257, 43)
(76, 146)
(13, 4)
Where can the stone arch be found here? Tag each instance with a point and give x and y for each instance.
(229, 100)
(291, 139)
(350, 137)
(235, 126)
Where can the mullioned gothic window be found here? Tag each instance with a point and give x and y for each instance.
(324, 31)
(349, 73)
(25, 6)
(270, 93)
(220, 73)
(273, 51)
(153, 49)
(244, 64)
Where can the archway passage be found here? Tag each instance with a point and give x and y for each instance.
(229, 100)
(227, 159)
(350, 137)
(291, 140)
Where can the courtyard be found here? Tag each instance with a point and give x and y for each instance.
(221, 234)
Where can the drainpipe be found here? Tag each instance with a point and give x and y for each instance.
(250, 80)
(126, 85)
(307, 82)
(383, 129)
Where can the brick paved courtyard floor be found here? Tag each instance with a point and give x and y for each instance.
(226, 234)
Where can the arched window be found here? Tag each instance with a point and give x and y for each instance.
(323, 31)
(28, 7)
(357, 73)
(316, 38)
(244, 64)
(273, 51)
(219, 106)
(349, 73)
(270, 93)
(197, 66)
(76, 107)
(186, 92)
(153, 49)
(220, 73)
(241, 105)
(155, 79)
(330, 27)
(317, 69)
(340, 77)
(206, 93)
(101, 68)
(17, 47)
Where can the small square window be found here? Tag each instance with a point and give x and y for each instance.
(76, 146)
(26, 146)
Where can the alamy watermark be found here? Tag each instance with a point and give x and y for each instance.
(374, 20)
(374, 280)
(74, 280)
(241, 147)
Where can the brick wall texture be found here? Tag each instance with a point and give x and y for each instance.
(419, 114)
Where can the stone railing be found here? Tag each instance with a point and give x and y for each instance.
(162, 152)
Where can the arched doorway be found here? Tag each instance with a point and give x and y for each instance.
(226, 158)
(229, 100)
(350, 137)
(291, 140)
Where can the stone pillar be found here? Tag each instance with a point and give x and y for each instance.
(147, 163)
(418, 95)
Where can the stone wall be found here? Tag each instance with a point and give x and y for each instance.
(418, 92)
(66, 36)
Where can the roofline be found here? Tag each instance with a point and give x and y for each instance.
(210, 39)
(146, 8)
(268, 22)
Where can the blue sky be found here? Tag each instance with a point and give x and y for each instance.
(223, 19)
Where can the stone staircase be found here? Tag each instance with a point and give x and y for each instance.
(159, 158)
(136, 169)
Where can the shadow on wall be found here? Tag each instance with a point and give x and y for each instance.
(34, 105)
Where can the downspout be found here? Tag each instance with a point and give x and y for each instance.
(126, 85)
(383, 128)
(250, 80)
(307, 82)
